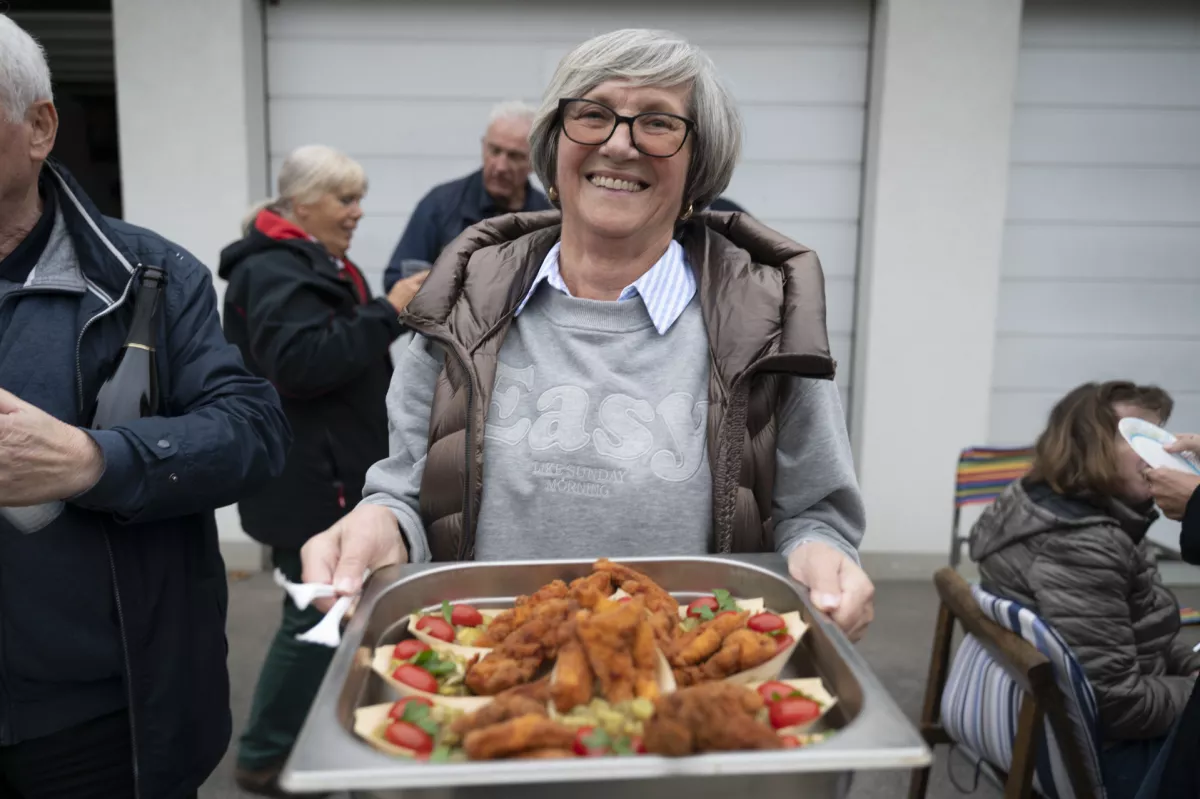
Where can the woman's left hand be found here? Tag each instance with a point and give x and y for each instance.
(836, 584)
(1172, 490)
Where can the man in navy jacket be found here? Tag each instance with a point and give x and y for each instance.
(113, 680)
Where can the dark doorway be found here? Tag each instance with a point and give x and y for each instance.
(78, 38)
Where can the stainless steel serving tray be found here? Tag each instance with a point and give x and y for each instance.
(871, 731)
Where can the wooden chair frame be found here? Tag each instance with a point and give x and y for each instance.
(1027, 667)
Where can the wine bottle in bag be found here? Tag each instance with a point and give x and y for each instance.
(132, 390)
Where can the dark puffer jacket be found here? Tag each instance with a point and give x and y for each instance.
(1086, 571)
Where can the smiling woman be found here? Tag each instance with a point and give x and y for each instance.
(626, 377)
(304, 318)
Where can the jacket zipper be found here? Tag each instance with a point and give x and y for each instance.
(112, 564)
(83, 331)
(338, 485)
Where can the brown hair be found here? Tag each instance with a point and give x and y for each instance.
(1077, 452)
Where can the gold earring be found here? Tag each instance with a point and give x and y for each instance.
(552, 193)
(686, 214)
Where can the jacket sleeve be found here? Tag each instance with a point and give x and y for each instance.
(1081, 586)
(395, 482)
(223, 432)
(816, 495)
(297, 340)
(419, 242)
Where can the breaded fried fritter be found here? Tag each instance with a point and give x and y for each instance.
(515, 736)
(504, 707)
(701, 643)
(741, 650)
(589, 591)
(504, 624)
(713, 717)
(608, 639)
(573, 678)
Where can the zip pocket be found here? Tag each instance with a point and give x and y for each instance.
(338, 485)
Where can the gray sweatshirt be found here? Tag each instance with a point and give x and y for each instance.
(595, 443)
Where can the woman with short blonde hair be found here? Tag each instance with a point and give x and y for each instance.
(303, 317)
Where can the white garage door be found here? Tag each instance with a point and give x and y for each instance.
(1101, 265)
(405, 87)
(1101, 269)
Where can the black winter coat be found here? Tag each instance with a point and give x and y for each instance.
(300, 322)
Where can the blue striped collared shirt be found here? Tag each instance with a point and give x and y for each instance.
(666, 288)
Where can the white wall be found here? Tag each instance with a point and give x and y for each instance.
(191, 109)
(939, 124)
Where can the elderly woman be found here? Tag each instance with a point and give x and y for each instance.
(303, 317)
(1069, 543)
(627, 377)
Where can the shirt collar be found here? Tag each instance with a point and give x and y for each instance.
(485, 204)
(666, 288)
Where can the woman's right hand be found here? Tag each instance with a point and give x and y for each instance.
(368, 537)
(404, 290)
(1186, 442)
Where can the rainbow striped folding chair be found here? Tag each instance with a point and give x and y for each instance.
(983, 474)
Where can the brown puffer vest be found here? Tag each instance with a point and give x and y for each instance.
(763, 300)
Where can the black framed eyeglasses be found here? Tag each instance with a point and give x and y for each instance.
(654, 133)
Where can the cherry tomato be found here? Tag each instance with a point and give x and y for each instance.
(790, 741)
(709, 602)
(638, 745)
(465, 616)
(409, 736)
(407, 650)
(783, 642)
(766, 623)
(774, 691)
(581, 747)
(397, 711)
(416, 677)
(792, 711)
(436, 627)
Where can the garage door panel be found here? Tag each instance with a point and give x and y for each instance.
(1118, 308)
(798, 191)
(1096, 252)
(1053, 136)
(453, 128)
(1109, 77)
(1018, 417)
(823, 23)
(1027, 363)
(804, 133)
(1104, 194)
(334, 68)
(363, 129)
(835, 243)
(1109, 23)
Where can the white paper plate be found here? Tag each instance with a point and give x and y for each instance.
(1148, 441)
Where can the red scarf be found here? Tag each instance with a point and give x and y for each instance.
(274, 226)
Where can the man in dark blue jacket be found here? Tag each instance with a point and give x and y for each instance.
(499, 187)
(113, 680)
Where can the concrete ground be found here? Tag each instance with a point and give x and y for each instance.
(897, 647)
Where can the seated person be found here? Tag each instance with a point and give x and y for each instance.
(1068, 542)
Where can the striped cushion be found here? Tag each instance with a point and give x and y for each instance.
(981, 703)
(984, 472)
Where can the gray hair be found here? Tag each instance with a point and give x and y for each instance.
(309, 172)
(24, 73)
(512, 109)
(649, 58)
